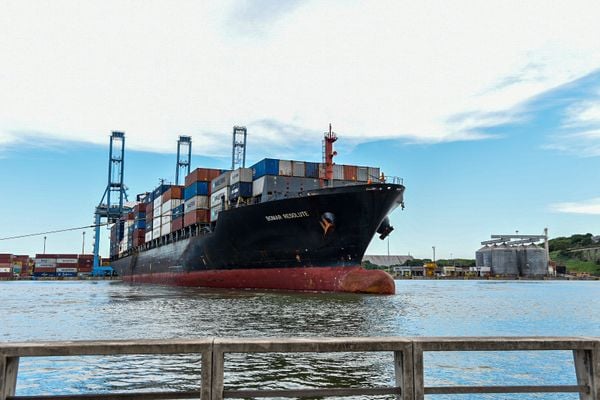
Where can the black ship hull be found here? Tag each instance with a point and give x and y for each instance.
(312, 242)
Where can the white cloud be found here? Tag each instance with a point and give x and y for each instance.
(584, 113)
(591, 207)
(77, 70)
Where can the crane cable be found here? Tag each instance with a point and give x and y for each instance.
(55, 231)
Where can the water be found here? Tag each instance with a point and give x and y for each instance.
(53, 310)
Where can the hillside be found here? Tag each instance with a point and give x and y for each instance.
(580, 253)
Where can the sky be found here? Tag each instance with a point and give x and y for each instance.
(489, 111)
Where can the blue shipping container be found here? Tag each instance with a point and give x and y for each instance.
(195, 189)
(241, 189)
(160, 190)
(177, 212)
(268, 166)
(140, 224)
(67, 274)
(44, 274)
(311, 169)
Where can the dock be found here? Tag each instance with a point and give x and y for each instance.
(407, 351)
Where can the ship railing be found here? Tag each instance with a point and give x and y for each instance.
(408, 364)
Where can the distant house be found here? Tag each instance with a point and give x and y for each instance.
(387, 261)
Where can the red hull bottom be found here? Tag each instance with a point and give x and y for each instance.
(321, 279)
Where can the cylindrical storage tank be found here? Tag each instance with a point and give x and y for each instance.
(536, 262)
(479, 255)
(504, 261)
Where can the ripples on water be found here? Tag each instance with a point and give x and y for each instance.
(112, 310)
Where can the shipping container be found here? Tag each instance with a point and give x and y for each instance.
(158, 192)
(219, 196)
(157, 202)
(156, 232)
(196, 203)
(267, 166)
(202, 174)
(285, 168)
(174, 192)
(241, 189)
(311, 169)
(199, 188)
(168, 206)
(214, 213)
(350, 172)
(177, 224)
(240, 175)
(165, 228)
(281, 187)
(196, 217)
(374, 174)
(298, 169)
(67, 274)
(71, 269)
(148, 236)
(220, 182)
(338, 172)
(178, 211)
(140, 224)
(362, 174)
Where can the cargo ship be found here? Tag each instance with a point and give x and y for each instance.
(281, 224)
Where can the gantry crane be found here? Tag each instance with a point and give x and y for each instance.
(115, 193)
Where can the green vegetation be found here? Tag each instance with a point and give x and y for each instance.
(463, 262)
(561, 251)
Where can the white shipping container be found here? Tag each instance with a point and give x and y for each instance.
(197, 203)
(240, 175)
(362, 174)
(215, 198)
(258, 186)
(165, 229)
(156, 223)
(169, 205)
(220, 181)
(46, 261)
(298, 168)
(66, 260)
(148, 236)
(214, 213)
(374, 173)
(157, 202)
(338, 171)
(156, 232)
(5, 270)
(66, 269)
(285, 168)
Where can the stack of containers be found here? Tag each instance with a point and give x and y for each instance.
(171, 199)
(149, 216)
(66, 265)
(6, 265)
(279, 179)
(196, 195)
(127, 240)
(85, 263)
(21, 265)
(240, 182)
(177, 218)
(139, 224)
(45, 265)
(219, 197)
(157, 194)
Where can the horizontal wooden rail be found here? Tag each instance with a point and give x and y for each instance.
(407, 352)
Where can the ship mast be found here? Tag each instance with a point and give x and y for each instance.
(328, 154)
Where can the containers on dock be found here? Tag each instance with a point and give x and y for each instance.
(202, 175)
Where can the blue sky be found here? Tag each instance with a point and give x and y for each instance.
(490, 114)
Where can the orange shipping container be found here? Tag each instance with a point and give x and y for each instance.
(350, 172)
(196, 217)
(177, 224)
(174, 192)
(202, 175)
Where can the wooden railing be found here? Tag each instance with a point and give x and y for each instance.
(407, 352)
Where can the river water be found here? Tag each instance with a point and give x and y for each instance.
(61, 310)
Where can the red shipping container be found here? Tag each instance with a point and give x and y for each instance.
(45, 269)
(174, 192)
(177, 224)
(149, 208)
(5, 258)
(202, 175)
(350, 172)
(196, 217)
(84, 269)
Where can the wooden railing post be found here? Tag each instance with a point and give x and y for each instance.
(587, 369)
(9, 367)
(403, 371)
(218, 372)
(207, 372)
(418, 374)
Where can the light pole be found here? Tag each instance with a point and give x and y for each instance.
(433, 247)
(83, 243)
(44, 244)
